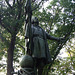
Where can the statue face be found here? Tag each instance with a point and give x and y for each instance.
(35, 21)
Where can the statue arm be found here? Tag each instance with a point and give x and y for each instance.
(52, 37)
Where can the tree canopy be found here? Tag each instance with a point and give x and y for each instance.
(58, 19)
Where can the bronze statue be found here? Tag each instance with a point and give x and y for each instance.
(40, 51)
(37, 51)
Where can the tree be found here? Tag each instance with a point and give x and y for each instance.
(11, 18)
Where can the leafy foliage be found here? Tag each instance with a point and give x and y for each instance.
(57, 19)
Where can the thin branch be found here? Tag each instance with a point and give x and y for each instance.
(36, 6)
(18, 2)
(21, 46)
(13, 2)
(8, 4)
(17, 26)
(19, 15)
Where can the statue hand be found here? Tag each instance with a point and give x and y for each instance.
(61, 39)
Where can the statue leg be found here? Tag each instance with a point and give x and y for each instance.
(40, 66)
(35, 66)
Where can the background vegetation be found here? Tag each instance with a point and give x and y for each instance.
(58, 19)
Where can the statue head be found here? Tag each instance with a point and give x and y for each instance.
(34, 20)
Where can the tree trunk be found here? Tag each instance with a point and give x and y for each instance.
(10, 53)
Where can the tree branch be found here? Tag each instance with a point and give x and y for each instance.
(37, 6)
(18, 2)
(8, 3)
(17, 26)
(21, 46)
(13, 2)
